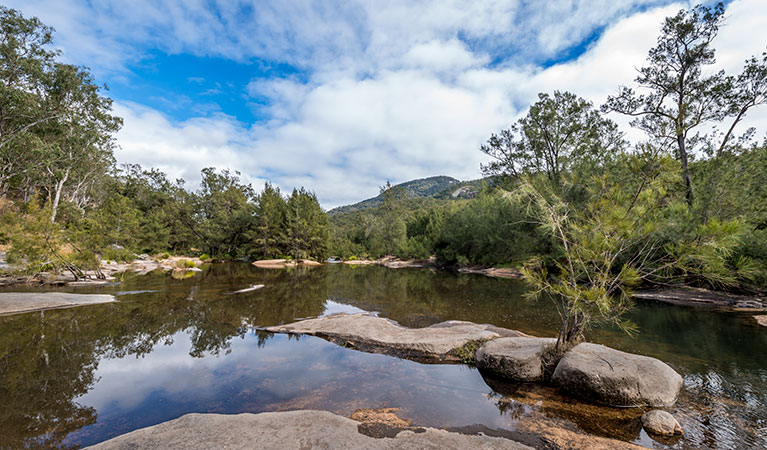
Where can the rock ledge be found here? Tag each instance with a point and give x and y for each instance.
(288, 430)
(365, 332)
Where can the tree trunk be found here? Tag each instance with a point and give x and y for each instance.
(57, 197)
(685, 171)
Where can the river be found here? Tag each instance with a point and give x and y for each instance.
(168, 347)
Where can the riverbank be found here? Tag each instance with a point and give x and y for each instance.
(109, 272)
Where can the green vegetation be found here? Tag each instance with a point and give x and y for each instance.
(468, 352)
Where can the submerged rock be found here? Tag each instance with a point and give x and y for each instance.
(514, 358)
(611, 377)
(251, 288)
(289, 430)
(661, 422)
(705, 297)
(365, 332)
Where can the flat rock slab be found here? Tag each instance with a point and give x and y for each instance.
(705, 298)
(436, 343)
(21, 302)
(514, 358)
(604, 375)
(761, 320)
(288, 430)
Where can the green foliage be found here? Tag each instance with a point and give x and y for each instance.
(490, 230)
(560, 133)
(468, 352)
(306, 226)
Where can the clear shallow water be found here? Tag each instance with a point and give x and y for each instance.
(78, 376)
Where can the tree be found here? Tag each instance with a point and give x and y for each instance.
(24, 63)
(391, 225)
(307, 226)
(269, 234)
(680, 97)
(220, 213)
(558, 134)
(55, 126)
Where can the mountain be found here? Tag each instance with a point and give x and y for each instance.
(439, 186)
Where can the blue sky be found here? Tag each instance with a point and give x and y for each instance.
(340, 96)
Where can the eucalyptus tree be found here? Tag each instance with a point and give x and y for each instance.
(56, 126)
(678, 96)
(25, 61)
(79, 142)
(559, 133)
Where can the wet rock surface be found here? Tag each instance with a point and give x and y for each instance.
(604, 375)
(437, 343)
(661, 423)
(514, 358)
(761, 320)
(21, 302)
(289, 430)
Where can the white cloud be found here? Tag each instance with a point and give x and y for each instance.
(394, 93)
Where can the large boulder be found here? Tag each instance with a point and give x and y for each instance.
(661, 422)
(611, 377)
(514, 358)
(438, 343)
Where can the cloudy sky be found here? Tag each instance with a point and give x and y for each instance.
(340, 96)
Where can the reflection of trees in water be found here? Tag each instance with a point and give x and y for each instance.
(43, 366)
(418, 297)
(48, 359)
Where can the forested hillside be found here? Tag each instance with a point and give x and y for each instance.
(420, 188)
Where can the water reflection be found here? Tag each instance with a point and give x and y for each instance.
(171, 346)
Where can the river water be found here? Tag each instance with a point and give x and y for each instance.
(168, 347)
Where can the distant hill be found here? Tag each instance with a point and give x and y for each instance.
(439, 187)
(424, 187)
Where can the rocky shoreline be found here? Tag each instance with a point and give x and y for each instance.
(109, 272)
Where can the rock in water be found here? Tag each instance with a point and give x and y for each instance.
(289, 430)
(514, 358)
(611, 377)
(250, 288)
(436, 343)
(661, 422)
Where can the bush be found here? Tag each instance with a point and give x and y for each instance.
(185, 264)
(118, 254)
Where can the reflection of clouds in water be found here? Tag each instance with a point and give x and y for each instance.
(332, 307)
(280, 373)
(126, 382)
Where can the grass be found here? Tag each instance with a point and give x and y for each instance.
(467, 352)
